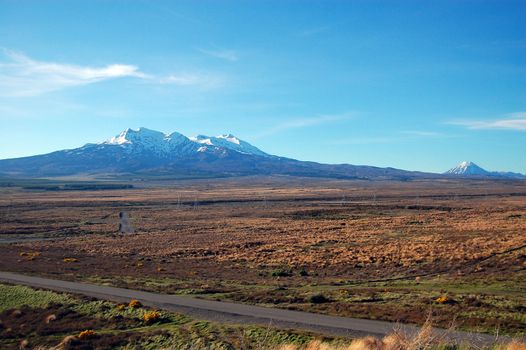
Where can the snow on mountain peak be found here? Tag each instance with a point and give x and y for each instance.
(143, 136)
(467, 168)
(466, 164)
(202, 139)
(471, 169)
(119, 139)
(161, 143)
(230, 138)
(230, 142)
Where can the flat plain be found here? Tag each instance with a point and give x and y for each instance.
(453, 251)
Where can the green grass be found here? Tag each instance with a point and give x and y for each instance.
(177, 331)
(502, 300)
(192, 286)
(12, 297)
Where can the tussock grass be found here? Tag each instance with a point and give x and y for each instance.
(12, 297)
(425, 339)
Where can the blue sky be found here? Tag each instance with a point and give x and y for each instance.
(418, 85)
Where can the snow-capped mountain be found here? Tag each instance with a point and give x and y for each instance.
(176, 144)
(471, 169)
(227, 141)
(467, 168)
(150, 153)
(145, 153)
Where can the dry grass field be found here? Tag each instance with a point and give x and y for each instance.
(400, 251)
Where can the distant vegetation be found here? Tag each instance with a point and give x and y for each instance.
(79, 187)
(55, 185)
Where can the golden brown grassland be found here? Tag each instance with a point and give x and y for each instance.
(373, 249)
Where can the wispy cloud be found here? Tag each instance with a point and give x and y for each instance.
(422, 133)
(299, 123)
(224, 54)
(402, 136)
(169, 12)
(512, 121)
(314, 30)
(22, 76)
(193, 79)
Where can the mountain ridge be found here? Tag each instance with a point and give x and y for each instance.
(149, 152)
(468, 168)
(163, 143)
(153, 153)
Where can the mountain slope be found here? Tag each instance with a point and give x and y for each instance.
(467, 168)
(152, 153)
(228, 141)
(471, 169)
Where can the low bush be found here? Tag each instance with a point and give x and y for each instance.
(86, 334)
(282, 273)
(319, 299)
(135, 304)
(151, 317)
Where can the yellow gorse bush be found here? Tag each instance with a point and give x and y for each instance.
(29, 255)
(135, 304)
(86, 334)
(442, 299)
(151, 317)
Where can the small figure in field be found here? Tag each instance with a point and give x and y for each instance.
(125, 225)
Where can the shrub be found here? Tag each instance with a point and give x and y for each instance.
(24, 344)
(68, 342)
(444, 299)
(135, 304)
(86, 334)
(281, 273)
(319, 299)
(29, 255)
(16, 313)
(151, 317)
(50, 318)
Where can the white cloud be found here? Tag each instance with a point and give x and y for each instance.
(306, 122)
(24, 76)
(193, 79)
(224, 54)
(512, 121)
